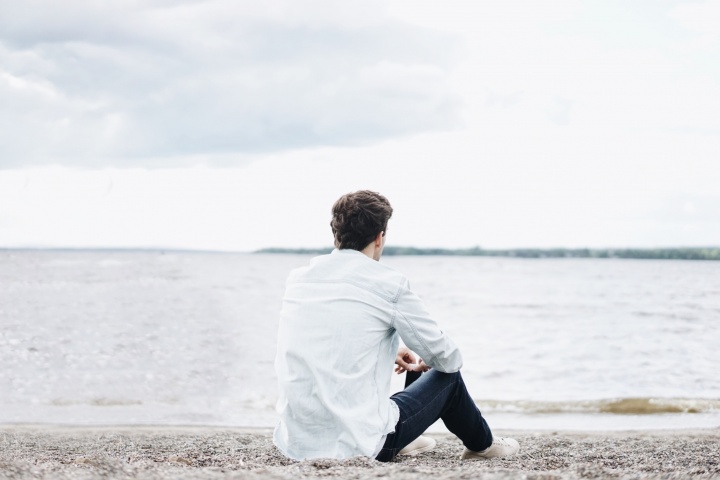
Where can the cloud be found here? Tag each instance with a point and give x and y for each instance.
(701, 18)
(96, 84)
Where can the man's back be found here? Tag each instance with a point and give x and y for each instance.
(337, 342)
(336, 347)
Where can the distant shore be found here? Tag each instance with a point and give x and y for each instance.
(45, 451)
(680, 253)
(710, 253)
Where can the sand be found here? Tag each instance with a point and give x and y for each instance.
(219, 453)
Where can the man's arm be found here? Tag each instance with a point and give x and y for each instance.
(423, 335)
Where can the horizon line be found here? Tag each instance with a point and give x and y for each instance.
(330, 248)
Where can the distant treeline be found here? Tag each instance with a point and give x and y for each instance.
(642, 253)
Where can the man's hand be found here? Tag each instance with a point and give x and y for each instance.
(406, 360)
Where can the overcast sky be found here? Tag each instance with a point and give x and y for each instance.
(234, 125)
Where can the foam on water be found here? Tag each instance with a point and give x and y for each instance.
(620, 406)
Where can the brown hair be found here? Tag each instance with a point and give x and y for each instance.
(358, 217)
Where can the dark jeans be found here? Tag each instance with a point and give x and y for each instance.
(431, 396)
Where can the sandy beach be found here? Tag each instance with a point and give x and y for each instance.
(37, 451)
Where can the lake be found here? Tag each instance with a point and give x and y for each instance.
(176, 338)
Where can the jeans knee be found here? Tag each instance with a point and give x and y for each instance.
(451, 377)
(455, 376)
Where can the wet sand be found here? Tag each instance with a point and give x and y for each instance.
(36, 451)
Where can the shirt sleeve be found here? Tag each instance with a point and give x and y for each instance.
(423, 335)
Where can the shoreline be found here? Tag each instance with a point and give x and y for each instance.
(160, 451)
(268, 430)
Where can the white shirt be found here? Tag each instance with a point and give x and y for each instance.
(337, 342)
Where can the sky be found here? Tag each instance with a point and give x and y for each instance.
(234, 125)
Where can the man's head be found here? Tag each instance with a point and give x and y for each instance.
(359, 218)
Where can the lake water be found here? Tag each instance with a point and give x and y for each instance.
(189, 338)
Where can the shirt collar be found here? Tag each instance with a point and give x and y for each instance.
(347, 251)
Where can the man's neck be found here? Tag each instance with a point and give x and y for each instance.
(371, 251)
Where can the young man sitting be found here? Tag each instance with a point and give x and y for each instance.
(341, 322)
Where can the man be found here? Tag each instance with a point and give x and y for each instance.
(340, 324)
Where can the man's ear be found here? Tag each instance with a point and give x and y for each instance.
(378, 239)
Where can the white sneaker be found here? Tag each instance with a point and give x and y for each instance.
(501, 447)
(418, 446)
